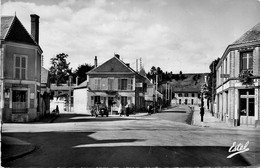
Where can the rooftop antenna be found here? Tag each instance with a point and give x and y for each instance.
(15, 13)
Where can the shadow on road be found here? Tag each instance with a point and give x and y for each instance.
(87, 118)
(173, 112)
(56, 149)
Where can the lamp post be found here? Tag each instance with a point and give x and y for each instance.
(212, 88)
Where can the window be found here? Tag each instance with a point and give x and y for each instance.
(95, 100)
(192, 95)
(20, 63)
(110, 83)
(124, 100)
(97, 83)
(186, 95)
(180, 95)
(246, 60)
(122, 84)
(186, 101)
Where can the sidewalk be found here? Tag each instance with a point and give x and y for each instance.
(213, 122)
(13, 148)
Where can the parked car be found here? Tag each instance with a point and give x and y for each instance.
(99, 109)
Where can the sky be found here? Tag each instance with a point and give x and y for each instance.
(175, 35)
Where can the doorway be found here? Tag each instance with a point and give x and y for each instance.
(247, 107)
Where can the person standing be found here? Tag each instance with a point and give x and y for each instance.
(120, 109)
(127, 109)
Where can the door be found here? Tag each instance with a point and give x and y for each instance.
(19, 101)
(110, 103)
(247, 107)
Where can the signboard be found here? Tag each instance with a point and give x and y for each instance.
(32, 95)
(224, 75)
(139, 85)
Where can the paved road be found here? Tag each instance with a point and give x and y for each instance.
(156, 140)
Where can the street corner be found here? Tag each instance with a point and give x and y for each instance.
(13, 148)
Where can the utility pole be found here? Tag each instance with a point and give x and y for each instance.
(156, 87)
(166, 94)
(136, 65)
(212, 88)
(1, 83)
(70, 78)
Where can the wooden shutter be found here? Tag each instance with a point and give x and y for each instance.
(119, 84)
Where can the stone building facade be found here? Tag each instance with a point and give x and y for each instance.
(21, 70)
(112, 83)
(238, 81)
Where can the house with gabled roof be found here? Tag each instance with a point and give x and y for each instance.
(151, 93)
(20, 70)
(112, 83)
(238, 81)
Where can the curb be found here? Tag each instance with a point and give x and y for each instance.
(31, 149)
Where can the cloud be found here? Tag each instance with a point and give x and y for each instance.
(95, 29)
(171, 34)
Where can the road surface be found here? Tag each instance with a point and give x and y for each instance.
(163, 139)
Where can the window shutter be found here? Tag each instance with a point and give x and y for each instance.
(128, 84)
(119, 84)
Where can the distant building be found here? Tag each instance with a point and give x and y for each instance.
(150, 93)
(61, 95)
(238, 81)
(111, 83)
(20, 69)
(188, 90)
(187, 96)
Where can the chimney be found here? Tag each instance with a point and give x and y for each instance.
(95, 61)
(35, 27)
(117, 56)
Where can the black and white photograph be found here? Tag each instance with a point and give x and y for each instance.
(130, 83)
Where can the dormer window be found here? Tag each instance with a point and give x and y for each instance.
(246, 61)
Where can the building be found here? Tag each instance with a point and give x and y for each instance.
(187, 90)
(238, 81)
(62, 95)
(151, 94)
(112, 83)
(20, 70)
(187, 96)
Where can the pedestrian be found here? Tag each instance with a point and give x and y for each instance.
(120, 109)
(149, 109)
(127, 109)
(57, 111)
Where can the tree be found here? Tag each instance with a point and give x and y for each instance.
(212, 78)
(81, 71)
(59, 70)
